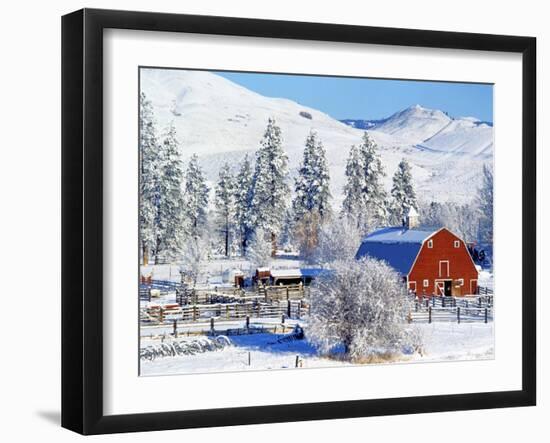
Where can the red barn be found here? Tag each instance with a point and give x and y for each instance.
(431, 261)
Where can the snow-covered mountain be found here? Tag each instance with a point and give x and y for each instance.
(221, 121)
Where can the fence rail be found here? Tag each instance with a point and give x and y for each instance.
(157, 314)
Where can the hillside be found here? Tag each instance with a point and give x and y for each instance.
(221, 121)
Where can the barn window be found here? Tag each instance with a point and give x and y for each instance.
(430, 243)
(457, 243)
(460, 282)
(426, 283)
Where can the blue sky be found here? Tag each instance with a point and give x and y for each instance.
(363, 98)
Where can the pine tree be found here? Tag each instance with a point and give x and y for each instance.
(149, 165)
(365, 200)
(225, 205)
(353, 204)
(311, 205)
(312, 191)
(485, 207)
(243, 202)
(402, 192)
(373, 191)
(196, 199)
(169, 207)
(270, 188)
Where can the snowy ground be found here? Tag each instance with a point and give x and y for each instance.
(442, 342)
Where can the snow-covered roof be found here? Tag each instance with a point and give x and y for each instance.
(397, 246)
(297, 273)
(262, 269)
(286, 273)
(399, 234)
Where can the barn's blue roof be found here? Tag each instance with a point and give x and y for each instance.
(397, 246)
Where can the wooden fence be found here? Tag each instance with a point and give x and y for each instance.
(157, 314)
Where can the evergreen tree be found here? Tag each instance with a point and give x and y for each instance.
(169, 207)
(373, 191)
(353, 206)
(365, 200)
(196, 199)
(312, 184)
(485, 206)
(311, 205)
(148, 190)
(243, 202)
(270, 188)
(402, 192)
(225, 205)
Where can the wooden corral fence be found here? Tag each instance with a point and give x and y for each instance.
(287, 292)
(452, 309)
(158, 314)
(148, 288)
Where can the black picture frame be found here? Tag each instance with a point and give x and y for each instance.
(82, 215)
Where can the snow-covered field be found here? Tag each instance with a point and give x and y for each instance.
(442, 342)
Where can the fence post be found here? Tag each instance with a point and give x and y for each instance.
(247, 322)
(287, 293)
(430, 314)
(175, 329)
(227, 312)
(416, 306)
(288, 309)
(194, 312)
(433, 300)
(486, 312)
(458, 314)
(443, 302)
(297, 361)
(212, 325)
(283, 319)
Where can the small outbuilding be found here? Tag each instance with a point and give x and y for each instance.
(431, 261)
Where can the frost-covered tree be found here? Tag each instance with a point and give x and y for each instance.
(360, 305)
(225, 206)
(402, 191)
(311, 190)
(365, 200)
(353, 206)
(196, 199)
(338, 240)
(243, 203)
(148, 190)
(311, 206)
(194, 254)
(485, 205)
(259, 250)
(270, 187)
(169, 202)
(373, 191)
(463, 219)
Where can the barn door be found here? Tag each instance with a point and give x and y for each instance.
(448, 287)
